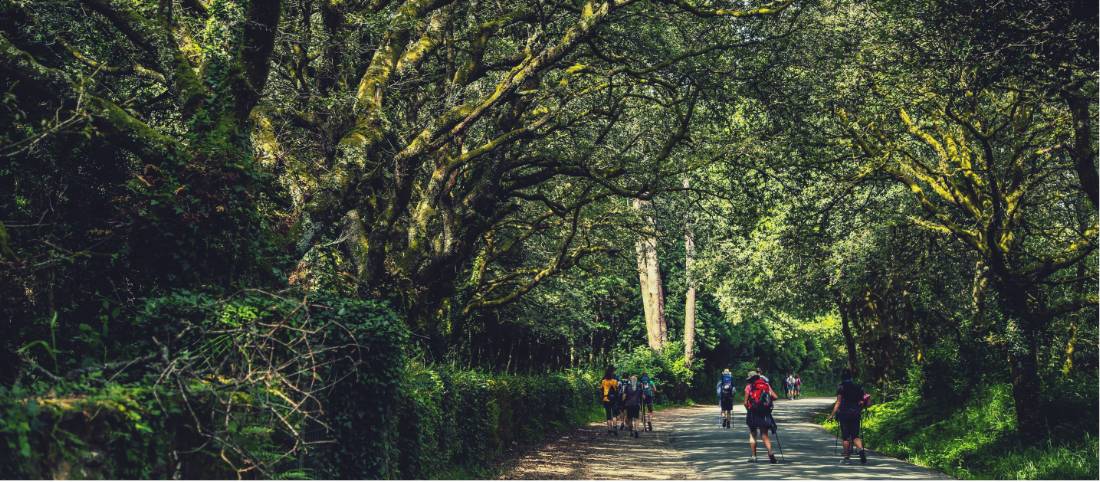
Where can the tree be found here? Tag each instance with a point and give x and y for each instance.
(689, 296)
(987, 170)
(649, 277)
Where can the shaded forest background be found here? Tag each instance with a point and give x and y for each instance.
(234, 221)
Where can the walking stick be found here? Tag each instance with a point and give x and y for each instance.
(775, 431)
(836, 439)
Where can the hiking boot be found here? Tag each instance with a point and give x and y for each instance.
(863, 457)
(772, 459)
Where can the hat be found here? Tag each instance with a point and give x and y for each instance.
(752, 373)
(726, 371)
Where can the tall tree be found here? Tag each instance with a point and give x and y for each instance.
(649, 277)
(689, 296)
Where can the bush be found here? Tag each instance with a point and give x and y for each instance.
(478, 417)
(378, 414)
(667, 368)
(100, 433)
(976, 440)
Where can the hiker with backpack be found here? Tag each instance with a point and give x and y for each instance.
(649, 394)
(759, 398)
(789, 385)
(851, 399)
(725, 397)
(632, 401)
(797, 386)
(620, 409)
(609, 387)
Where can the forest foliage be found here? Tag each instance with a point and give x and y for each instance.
(210, 208)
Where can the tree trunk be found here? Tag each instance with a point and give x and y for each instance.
(649, 274)
(846, 329)
(1084, 158)
(1025, 385)
(651, 330)
(689, 298)
(1023, 357)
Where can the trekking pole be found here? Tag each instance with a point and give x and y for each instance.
(775, 431)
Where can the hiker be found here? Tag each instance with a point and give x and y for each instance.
(649, 393)
(761, 373)
(620, 409)
(850, 400)
(725, 397)
(758, 403)
(788, 385)
(632, 400)
(609, 386)
(797, 386)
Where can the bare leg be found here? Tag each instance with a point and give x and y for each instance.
(752, 442)
(767, 441)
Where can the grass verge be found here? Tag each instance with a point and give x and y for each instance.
(977, 441)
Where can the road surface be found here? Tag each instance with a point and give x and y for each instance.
(689, 443)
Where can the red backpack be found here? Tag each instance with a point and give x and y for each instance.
(760, 399)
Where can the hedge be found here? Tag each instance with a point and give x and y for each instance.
(456, 423)
(384, 416)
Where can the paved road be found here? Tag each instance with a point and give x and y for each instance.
(718, 453)
(689, 444)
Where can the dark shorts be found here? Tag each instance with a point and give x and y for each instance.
(609, 409)
(727, 404)
(632, 411)
(758, 421)
(849, 425)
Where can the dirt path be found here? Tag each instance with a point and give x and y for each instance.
(689, 444)
(591, 453)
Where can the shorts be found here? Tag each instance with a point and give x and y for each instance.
(727, 404)
(609, 409)
(632, 411)
(759, 421)
(849, 425)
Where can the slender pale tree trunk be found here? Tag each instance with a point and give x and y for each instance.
(647, 301)
(689, 298)
(649, 276)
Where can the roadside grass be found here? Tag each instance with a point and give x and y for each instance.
(978, 441)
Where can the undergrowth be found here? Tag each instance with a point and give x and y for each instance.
(978, 440)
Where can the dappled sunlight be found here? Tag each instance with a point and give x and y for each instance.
(690, 443)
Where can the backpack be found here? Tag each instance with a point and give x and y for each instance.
(607, 392)
(759, 398)
(632, 394)
(852, 398)
(727, 390)
(647, 389)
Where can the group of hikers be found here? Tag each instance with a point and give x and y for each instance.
(626, 399)
(792, 386)
(758, 399)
